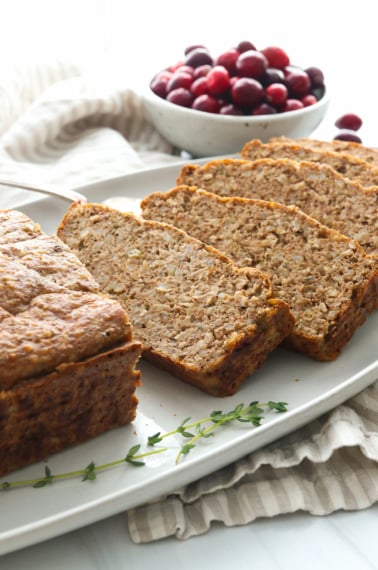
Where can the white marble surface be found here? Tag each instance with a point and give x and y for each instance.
(341, 541)
(339, 37)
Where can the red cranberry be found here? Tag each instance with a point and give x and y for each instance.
(276, 94)
(218, 80)
(349, 121)
(309, 100)
(348, 135)
(298, 82)
(272, 75)
(230, 109)
(228, 60)
(191, 48)
(244, 46)
(199, 87)
(197, 57)
(201, 71)
(179, 79)
(185, 69)
(316, 76)
(159, 83)
(206, 103)
(251, 64)
(276, 57)
(292, 105)
(180, 96)
(247, 91)
(264, 109)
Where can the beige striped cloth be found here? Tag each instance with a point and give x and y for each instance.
(58, 126)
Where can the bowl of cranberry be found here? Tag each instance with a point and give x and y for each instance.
(210, 106)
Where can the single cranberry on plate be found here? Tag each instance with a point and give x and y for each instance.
(349, 121)
(347, 135)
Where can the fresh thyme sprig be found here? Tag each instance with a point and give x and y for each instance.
(89, 473)
(200, 429)
(204, 428)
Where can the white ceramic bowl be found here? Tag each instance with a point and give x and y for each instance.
(206, 134)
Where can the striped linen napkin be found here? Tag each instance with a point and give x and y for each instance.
(58, 127)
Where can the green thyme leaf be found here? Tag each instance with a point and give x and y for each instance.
(90, 472)
(153, 439)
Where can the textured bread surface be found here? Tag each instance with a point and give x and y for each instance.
(328, 280)
(198, 316)
(317, 189)
(368, 154)
(64, 348)
(350, 166)
(71, 405)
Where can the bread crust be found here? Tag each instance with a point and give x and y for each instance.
(77, 402)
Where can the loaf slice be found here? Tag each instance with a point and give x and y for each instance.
(317, 189)
(328, 280)
(66, 350)
(350, 166)
(369, 154)
(197, 315)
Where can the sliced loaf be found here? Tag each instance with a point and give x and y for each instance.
(328, 280)
(369, 154)
(198, 315)
(315, 188)
(350, 166)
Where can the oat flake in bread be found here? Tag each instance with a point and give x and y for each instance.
(67, 353)
(369, 154)
(350, 166)
(328, 280)
(317, 189)
(198, 315)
